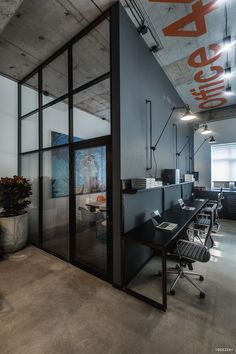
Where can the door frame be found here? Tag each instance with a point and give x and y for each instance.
(86, 144)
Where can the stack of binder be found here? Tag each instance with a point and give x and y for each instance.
(145, 183)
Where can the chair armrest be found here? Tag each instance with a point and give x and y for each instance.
(202, 215)
(191, 232)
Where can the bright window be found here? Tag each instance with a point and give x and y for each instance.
(223, 165)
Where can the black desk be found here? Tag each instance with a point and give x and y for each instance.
(147, 235)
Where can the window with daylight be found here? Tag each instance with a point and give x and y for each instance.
(223, 166)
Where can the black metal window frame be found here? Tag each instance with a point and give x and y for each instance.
(68, 47)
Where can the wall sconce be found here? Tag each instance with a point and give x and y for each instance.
(182, 149)
(188, 115)
(211, 139)
(206, 130)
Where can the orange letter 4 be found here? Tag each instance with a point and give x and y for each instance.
(199, 11)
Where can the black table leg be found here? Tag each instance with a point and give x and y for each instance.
(164, 282)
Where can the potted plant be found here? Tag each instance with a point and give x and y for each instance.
(14, 194)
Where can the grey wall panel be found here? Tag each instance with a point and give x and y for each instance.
(171, 196)
(187, 190)
(135, 256)
(138, 207)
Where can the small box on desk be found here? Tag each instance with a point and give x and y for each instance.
(189, 177)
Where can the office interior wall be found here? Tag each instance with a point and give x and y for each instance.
(224, 131)
(142, 78)
(8, 127)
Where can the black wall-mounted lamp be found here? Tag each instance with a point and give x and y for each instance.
(211, 139)
(181, 150)
(206, 130)
(188, 115)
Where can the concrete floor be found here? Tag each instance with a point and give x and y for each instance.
(50, 307)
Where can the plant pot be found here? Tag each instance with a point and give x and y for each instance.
(13, 232)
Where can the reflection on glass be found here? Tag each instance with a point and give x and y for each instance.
(29, 169)
(91, 55)
(55, 78)
(92, 111)
(29, 95)
(29, 133)
(56, 200)
(91, 207)
(55, 125)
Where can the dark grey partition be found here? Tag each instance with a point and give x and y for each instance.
(136, 210)
(138, 207)
(171, 195)
(187, 190)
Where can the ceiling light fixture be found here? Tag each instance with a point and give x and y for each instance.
(154, 49)
(227, 44)
(206, 130)
(228, 73)
(228, 91)
(221, 2)
(143, 29)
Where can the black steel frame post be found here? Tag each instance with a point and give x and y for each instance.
(116, 155)
(19, 131)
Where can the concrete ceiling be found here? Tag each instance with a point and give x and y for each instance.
(209, 27)
(32, 30)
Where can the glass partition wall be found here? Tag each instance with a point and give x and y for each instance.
(65, 148)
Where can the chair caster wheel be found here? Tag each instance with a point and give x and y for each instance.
(201, 278)
(172, 292)
(202, 295)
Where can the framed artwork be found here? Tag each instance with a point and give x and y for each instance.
(90, 168)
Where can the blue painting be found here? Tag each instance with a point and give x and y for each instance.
(90, 168)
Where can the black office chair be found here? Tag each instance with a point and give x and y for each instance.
(187, 253)
(201, 234)
(213, 208)
(220, 197)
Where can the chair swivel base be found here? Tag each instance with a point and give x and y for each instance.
(185, 274)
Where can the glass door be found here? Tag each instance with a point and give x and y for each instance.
(92, 236)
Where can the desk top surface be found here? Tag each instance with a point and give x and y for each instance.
(147, 235)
